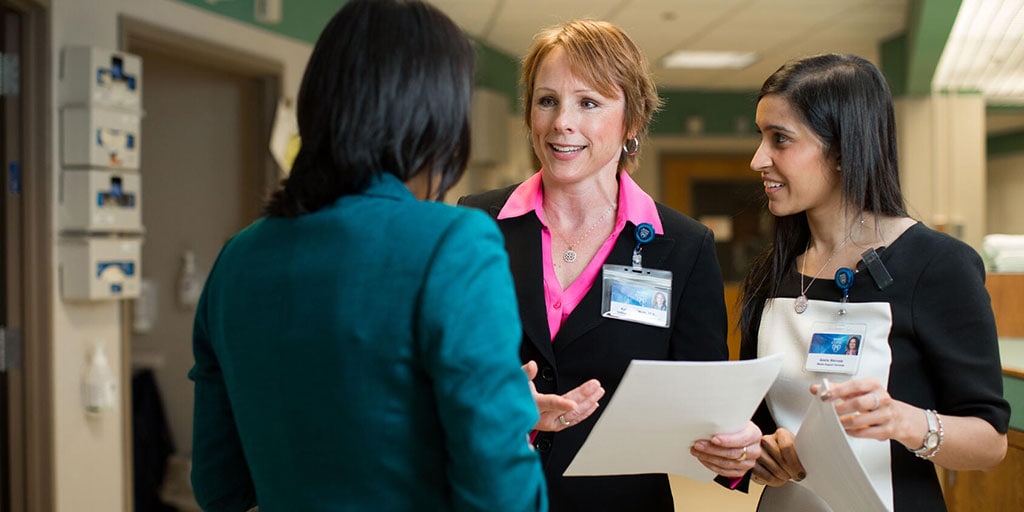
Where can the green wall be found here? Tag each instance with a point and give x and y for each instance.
(721, 112)
(1005, 143)
(304, 24)
(495, 69)
(1013, 391)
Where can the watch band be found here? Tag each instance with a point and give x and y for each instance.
(934, 430)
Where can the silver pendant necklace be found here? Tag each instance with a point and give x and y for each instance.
(569, 255)
(800, 305)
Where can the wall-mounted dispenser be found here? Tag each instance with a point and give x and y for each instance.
(99, 387)
(95, 137)
(190, 281)
(100, 268)
(100, 213)
(100, 78)
(101, 201)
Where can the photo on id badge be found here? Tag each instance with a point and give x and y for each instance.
(638, 303)
(835, 349)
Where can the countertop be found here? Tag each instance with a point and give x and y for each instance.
(1011, 352)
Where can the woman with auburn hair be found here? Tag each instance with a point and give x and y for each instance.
(572, 228)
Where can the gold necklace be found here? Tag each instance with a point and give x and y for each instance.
(569, 255)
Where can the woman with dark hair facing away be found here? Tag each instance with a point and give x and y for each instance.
(356, 347)
(571, 229)
(848, 260)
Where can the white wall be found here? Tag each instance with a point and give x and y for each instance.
(942, 162)
(517, 166)
(89, 451)
(1005, 190)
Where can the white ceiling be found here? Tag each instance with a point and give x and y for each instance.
(985, 51)
(777, 30)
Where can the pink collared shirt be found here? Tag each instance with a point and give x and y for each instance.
(634, 206)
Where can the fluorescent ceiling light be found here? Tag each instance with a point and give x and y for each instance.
(709, 60)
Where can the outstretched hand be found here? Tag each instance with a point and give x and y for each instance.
(559, 412)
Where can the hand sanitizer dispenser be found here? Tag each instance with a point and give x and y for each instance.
(99, 388)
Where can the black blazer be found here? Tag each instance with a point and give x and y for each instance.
(591, 346)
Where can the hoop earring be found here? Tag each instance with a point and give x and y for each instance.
(636, 146)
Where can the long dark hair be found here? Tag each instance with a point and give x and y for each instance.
(387, 90)
(846, 102)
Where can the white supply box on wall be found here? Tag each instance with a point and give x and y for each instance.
(100, 78)
(96, 137)
(101, 201)
(100, 268)
(101, 188)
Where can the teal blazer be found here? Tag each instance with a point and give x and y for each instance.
(363, 357)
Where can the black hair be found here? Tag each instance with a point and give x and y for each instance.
(846, 102)
(387, 90)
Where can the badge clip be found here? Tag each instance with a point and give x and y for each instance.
(844, 280)
(643, 234)
(877, 269)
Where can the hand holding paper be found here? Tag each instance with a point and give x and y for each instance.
(834, 472)
(662, 407)
(779, 462)
(730, 454)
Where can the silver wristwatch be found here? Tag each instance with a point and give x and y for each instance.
(933, 438)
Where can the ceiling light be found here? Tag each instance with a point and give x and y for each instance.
(709, 60)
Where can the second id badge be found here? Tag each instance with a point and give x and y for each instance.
(636, 295)
(836, 347)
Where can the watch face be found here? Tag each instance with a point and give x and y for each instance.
(932, 440)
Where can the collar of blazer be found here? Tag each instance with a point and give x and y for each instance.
(522, 239)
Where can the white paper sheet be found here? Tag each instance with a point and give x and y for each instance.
(662, 407)
(833, 471)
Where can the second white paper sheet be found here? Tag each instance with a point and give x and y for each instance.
(662, 407)
(833, 471)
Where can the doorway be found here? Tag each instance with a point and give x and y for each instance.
(205, 172)
(723, 193)
(26, 472)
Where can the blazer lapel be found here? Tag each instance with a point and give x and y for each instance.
(522, 239)
(587, 314)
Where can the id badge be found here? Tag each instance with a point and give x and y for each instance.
(836, 348)
(637, 295)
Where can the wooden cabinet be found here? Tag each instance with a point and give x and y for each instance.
(1007, 292)
(997, 490)
(1003, 487)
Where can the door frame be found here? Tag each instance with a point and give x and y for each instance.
(32, 462)
(134, 35)
(678, 172)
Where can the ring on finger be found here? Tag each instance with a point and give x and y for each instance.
(877, 401)
(562, 420)
(743, 456)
